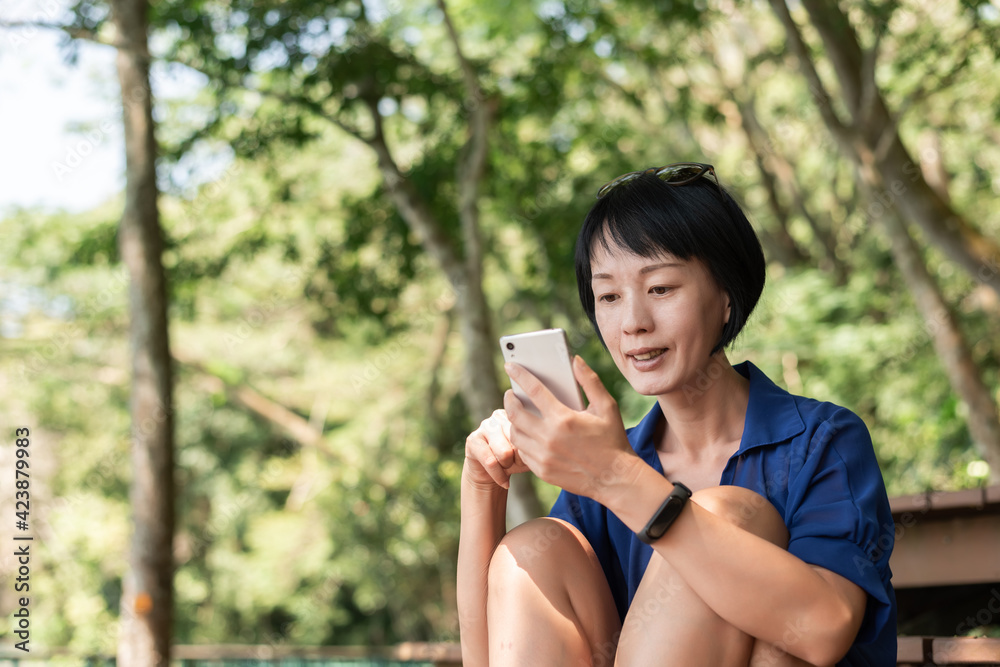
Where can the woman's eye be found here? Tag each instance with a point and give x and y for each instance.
(659, 289)
(606, 298)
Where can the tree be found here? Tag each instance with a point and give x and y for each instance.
(348, 83)
(147, 595)
(318, 395)
(869, 137)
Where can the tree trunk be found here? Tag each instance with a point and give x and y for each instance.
(774, 170)
(784, 174)
(949, 342)
(901, 194)
(480, 385)
(789, 252)
(147, 591)
(483, 396)
(875, 132)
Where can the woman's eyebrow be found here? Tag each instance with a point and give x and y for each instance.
(661, 265)
(643, 270)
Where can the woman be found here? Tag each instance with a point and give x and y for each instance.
(780, 556)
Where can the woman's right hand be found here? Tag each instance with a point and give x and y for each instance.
(490, 458)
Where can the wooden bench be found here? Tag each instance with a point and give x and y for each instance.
(947, 539)
(946, 572)
(923, 651)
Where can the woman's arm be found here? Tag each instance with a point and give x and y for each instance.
(483, 525)
(754, 585)
(490, 460)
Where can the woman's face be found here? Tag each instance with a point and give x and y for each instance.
(660, 317)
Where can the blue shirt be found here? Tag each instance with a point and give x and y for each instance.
(814, 461)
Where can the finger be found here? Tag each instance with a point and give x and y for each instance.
(479, 450)
(519, 464)
(591, 383)
(539, 394)
(513, 408)
(497, 429)
(497, 473)
(527, 460)
(504, 420)
(521, 414)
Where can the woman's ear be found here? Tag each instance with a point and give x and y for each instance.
(727, 308)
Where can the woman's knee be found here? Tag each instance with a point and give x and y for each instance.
(540, 546)
(546, 584)
(746, 509)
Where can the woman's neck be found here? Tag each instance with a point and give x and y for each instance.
(707, 416)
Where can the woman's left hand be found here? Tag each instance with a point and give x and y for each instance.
(585, 452)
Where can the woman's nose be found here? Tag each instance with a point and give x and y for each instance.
(637, 318)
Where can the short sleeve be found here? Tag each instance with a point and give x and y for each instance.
(568, 508)
(839, 517)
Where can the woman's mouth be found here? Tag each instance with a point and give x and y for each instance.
(651, 354)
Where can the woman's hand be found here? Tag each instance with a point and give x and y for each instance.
(490, 458)
(584, 452)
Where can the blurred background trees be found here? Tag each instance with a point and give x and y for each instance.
(361, 196)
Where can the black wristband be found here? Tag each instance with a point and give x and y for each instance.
(666, 515)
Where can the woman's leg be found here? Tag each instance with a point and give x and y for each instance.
(549, 602)
(667, 624)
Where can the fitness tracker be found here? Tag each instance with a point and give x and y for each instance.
(666, 515)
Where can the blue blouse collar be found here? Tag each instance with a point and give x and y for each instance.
(772, 416)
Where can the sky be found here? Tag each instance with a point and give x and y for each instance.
(60, 124)
(61, 144)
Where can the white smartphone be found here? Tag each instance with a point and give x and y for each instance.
(545, 354)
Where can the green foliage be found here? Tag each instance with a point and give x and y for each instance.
(292, 273)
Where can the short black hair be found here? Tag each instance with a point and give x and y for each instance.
(695, 220)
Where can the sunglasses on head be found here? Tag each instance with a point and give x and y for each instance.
(679, 173)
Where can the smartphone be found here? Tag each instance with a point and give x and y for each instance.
(545, 354)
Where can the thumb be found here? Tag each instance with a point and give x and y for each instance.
(597, 394)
